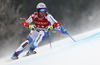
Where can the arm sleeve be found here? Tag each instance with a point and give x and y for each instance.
(51, 19)
(29, 20)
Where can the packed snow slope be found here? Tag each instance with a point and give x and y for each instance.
(86, 51)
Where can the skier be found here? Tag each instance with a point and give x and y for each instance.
(43, 22)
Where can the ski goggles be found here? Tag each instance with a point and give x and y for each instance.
(42, 10)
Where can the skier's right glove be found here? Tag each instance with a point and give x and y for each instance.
(32, 27)
(25, 24)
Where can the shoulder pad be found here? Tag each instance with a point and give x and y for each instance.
(35, 13)
(46, 13)
(32, 15)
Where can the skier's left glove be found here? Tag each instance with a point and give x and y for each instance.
(50, 27)
(32, 27)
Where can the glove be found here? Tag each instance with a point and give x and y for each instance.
(25, 24)
(49, 27)
(32, 27)
(56, 25)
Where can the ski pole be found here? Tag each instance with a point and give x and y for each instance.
(67, 33)
(71, 37)
(23, 19)
(57, 32)
(50, 36)
(50, 39)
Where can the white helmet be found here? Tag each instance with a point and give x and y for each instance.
(41, 5)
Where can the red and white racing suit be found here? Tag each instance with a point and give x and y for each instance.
(37, 35)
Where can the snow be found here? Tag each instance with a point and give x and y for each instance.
(86, 51)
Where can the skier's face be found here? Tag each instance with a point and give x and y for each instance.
(41, 14)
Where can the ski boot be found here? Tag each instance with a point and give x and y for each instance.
(15, 56)
(29, 53)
